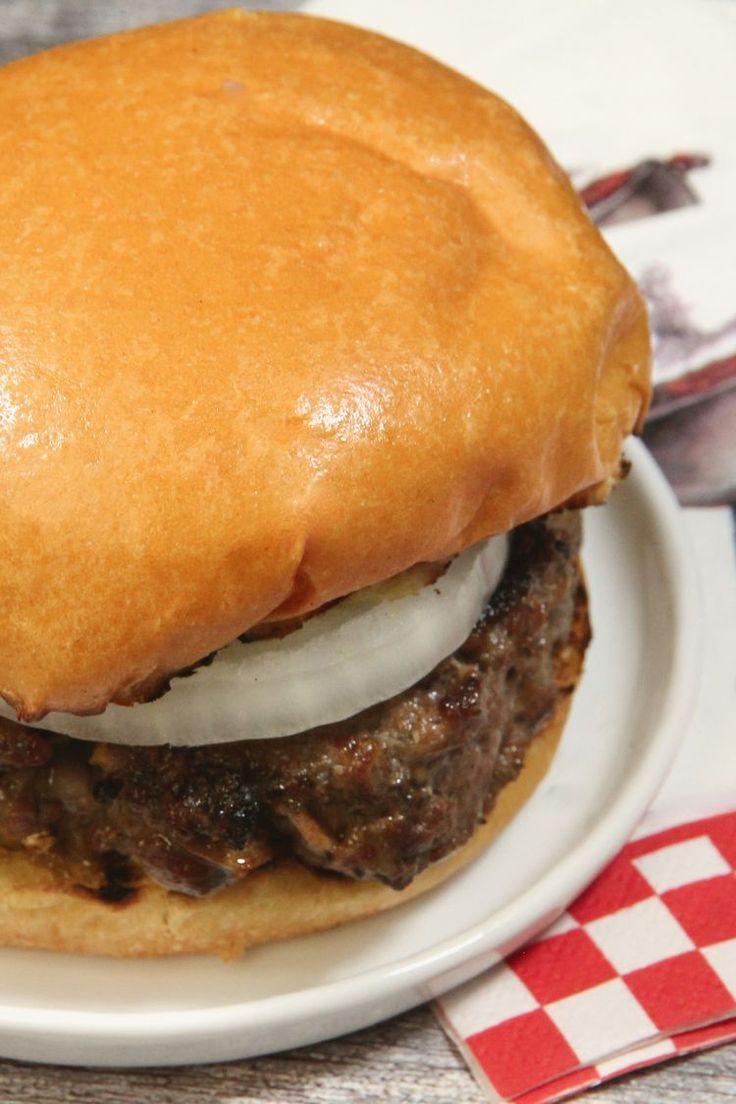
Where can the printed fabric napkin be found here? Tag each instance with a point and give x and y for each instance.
(642, 966)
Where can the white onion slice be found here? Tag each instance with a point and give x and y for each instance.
(363, 650)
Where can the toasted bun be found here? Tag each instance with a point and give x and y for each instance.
(287, 308)
(275, 902)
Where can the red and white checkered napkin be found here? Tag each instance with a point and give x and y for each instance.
(641, 967)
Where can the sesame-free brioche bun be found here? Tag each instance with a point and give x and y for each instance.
(286, 308)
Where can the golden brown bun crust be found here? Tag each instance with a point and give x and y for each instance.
(286, 308)
(275, 902)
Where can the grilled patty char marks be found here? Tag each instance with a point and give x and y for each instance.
(378, 796)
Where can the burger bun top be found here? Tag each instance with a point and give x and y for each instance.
(286, 308)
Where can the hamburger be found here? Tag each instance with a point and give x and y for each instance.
(309, 360)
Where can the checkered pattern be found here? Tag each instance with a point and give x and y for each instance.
(641, 967)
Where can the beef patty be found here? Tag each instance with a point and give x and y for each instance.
(378, 796)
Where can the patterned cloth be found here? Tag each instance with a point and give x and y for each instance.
(641, 967)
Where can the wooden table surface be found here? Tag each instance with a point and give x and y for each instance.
(407, 1060)
(404, 1061)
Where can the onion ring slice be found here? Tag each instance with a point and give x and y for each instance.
(362, 650)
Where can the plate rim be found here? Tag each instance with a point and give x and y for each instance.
(435, 964)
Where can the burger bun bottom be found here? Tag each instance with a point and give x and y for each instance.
(275, 902)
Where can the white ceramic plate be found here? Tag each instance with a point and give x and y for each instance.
(627, 719)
